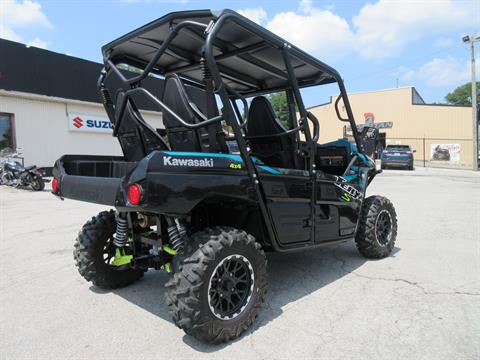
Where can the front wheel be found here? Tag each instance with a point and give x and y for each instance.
(219, 285)
(377, 228)
(7, 179)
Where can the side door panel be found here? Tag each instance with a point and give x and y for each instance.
(336, 208)
(289, 202)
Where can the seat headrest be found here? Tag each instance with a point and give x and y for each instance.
(176, 98)
(262, 119)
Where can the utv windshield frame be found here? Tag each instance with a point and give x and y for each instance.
(212, 26)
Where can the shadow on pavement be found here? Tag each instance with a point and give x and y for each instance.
(291, 277)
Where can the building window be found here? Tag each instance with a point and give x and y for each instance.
(7, 138)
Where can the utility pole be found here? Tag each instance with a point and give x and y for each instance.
(472, 39)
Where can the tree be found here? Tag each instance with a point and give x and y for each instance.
(280, 106)
(132, 69)
(462, 95)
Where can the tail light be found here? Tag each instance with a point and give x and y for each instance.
(55, 185)
(134, 194)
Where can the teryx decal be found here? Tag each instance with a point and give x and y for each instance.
(349, 192)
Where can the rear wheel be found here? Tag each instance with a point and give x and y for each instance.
(377, 229)
(219, 284)
(38, 184)
(95, 254)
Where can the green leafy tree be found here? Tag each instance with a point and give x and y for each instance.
(462, 95)
(280, 106)
(132, 69)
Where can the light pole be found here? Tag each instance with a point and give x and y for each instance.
(472, 39)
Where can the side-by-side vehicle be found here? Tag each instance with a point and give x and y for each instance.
(183, 202)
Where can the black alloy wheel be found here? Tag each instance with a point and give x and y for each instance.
(231, 287)
(383, 227)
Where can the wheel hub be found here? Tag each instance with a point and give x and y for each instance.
(231, 287)
(383, 227)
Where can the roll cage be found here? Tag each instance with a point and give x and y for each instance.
(224, 54)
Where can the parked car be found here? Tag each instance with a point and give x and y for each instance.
(397, 156)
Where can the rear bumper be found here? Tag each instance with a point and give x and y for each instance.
(397, 163)
(95, 190)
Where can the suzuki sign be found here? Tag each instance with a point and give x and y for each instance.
(87, 123)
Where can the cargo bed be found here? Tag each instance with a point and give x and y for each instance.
(91, 178)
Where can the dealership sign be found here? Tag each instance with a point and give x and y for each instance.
(445, 152)
(88, 123)
(370, 122)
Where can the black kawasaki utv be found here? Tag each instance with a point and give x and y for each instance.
(185, 203)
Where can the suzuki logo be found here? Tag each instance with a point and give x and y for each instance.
(88, 123)
(77, 122)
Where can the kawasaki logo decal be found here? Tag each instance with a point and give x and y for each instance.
(205, 162)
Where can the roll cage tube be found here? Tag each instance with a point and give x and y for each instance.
(288, 132)
(237, 130)
(348, 108)
(117, 115)
(301, 107)
(164, 46)
(316, 126)
(152, 97)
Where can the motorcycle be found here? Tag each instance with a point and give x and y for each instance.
(13, 173)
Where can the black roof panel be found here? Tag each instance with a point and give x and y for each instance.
(249, 56)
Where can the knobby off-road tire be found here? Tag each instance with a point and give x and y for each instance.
(89, 252)
(377, 229)
(197, 285)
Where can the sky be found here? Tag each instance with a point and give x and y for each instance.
(373, 44)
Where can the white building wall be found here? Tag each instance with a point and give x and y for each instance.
(41, 128)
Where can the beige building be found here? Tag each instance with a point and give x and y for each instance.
(426, 127)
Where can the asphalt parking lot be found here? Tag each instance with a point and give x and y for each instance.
(423, 302)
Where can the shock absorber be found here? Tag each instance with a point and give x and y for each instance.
(176, 232)
(204, 68)
(214, 131)
(120, 238)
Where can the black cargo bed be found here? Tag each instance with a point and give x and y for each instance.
(91, 178)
